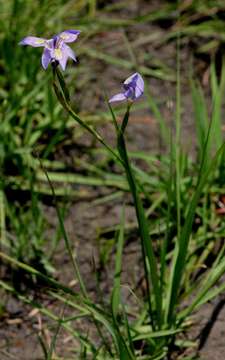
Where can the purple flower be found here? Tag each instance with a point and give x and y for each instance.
(55, 49)
(133, 89)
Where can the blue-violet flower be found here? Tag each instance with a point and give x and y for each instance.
(133, 89)
(55, 49)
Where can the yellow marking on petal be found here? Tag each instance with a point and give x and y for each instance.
(64, 36)
(58, 54)
(39, 41)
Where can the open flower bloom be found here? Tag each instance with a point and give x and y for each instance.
(133, 89)
(55, 49)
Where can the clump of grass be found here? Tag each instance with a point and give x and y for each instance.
(25, 131)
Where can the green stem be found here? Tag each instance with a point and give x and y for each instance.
(147, 248)
(177, 149)
(146, 243)
(63, 97)
(66, 239)
(2, 219)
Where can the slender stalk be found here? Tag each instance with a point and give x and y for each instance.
(146, 244)
(66, 239)
(74, 262)
(177, 148)
(178, 266)
(50, 281)
(63, 97)
(147, 248)
(165, 241)
(2, 219)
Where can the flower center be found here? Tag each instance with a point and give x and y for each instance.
(58, 54)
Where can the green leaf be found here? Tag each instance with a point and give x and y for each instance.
(115, 300)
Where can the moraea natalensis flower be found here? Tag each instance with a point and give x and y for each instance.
(55, 49)
(133, 88)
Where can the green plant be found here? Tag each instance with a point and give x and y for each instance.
(181, 268)
(170, 278)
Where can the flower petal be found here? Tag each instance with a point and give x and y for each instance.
(62, 53)
(33, 41)
(130, 93)
(69, 35)
(50, 44)
(68, 51)
(139, 88)
(46, 58)
(135, 85)
(62, 59)
(118, 97)
(131, 79)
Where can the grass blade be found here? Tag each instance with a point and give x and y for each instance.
(115, 300)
